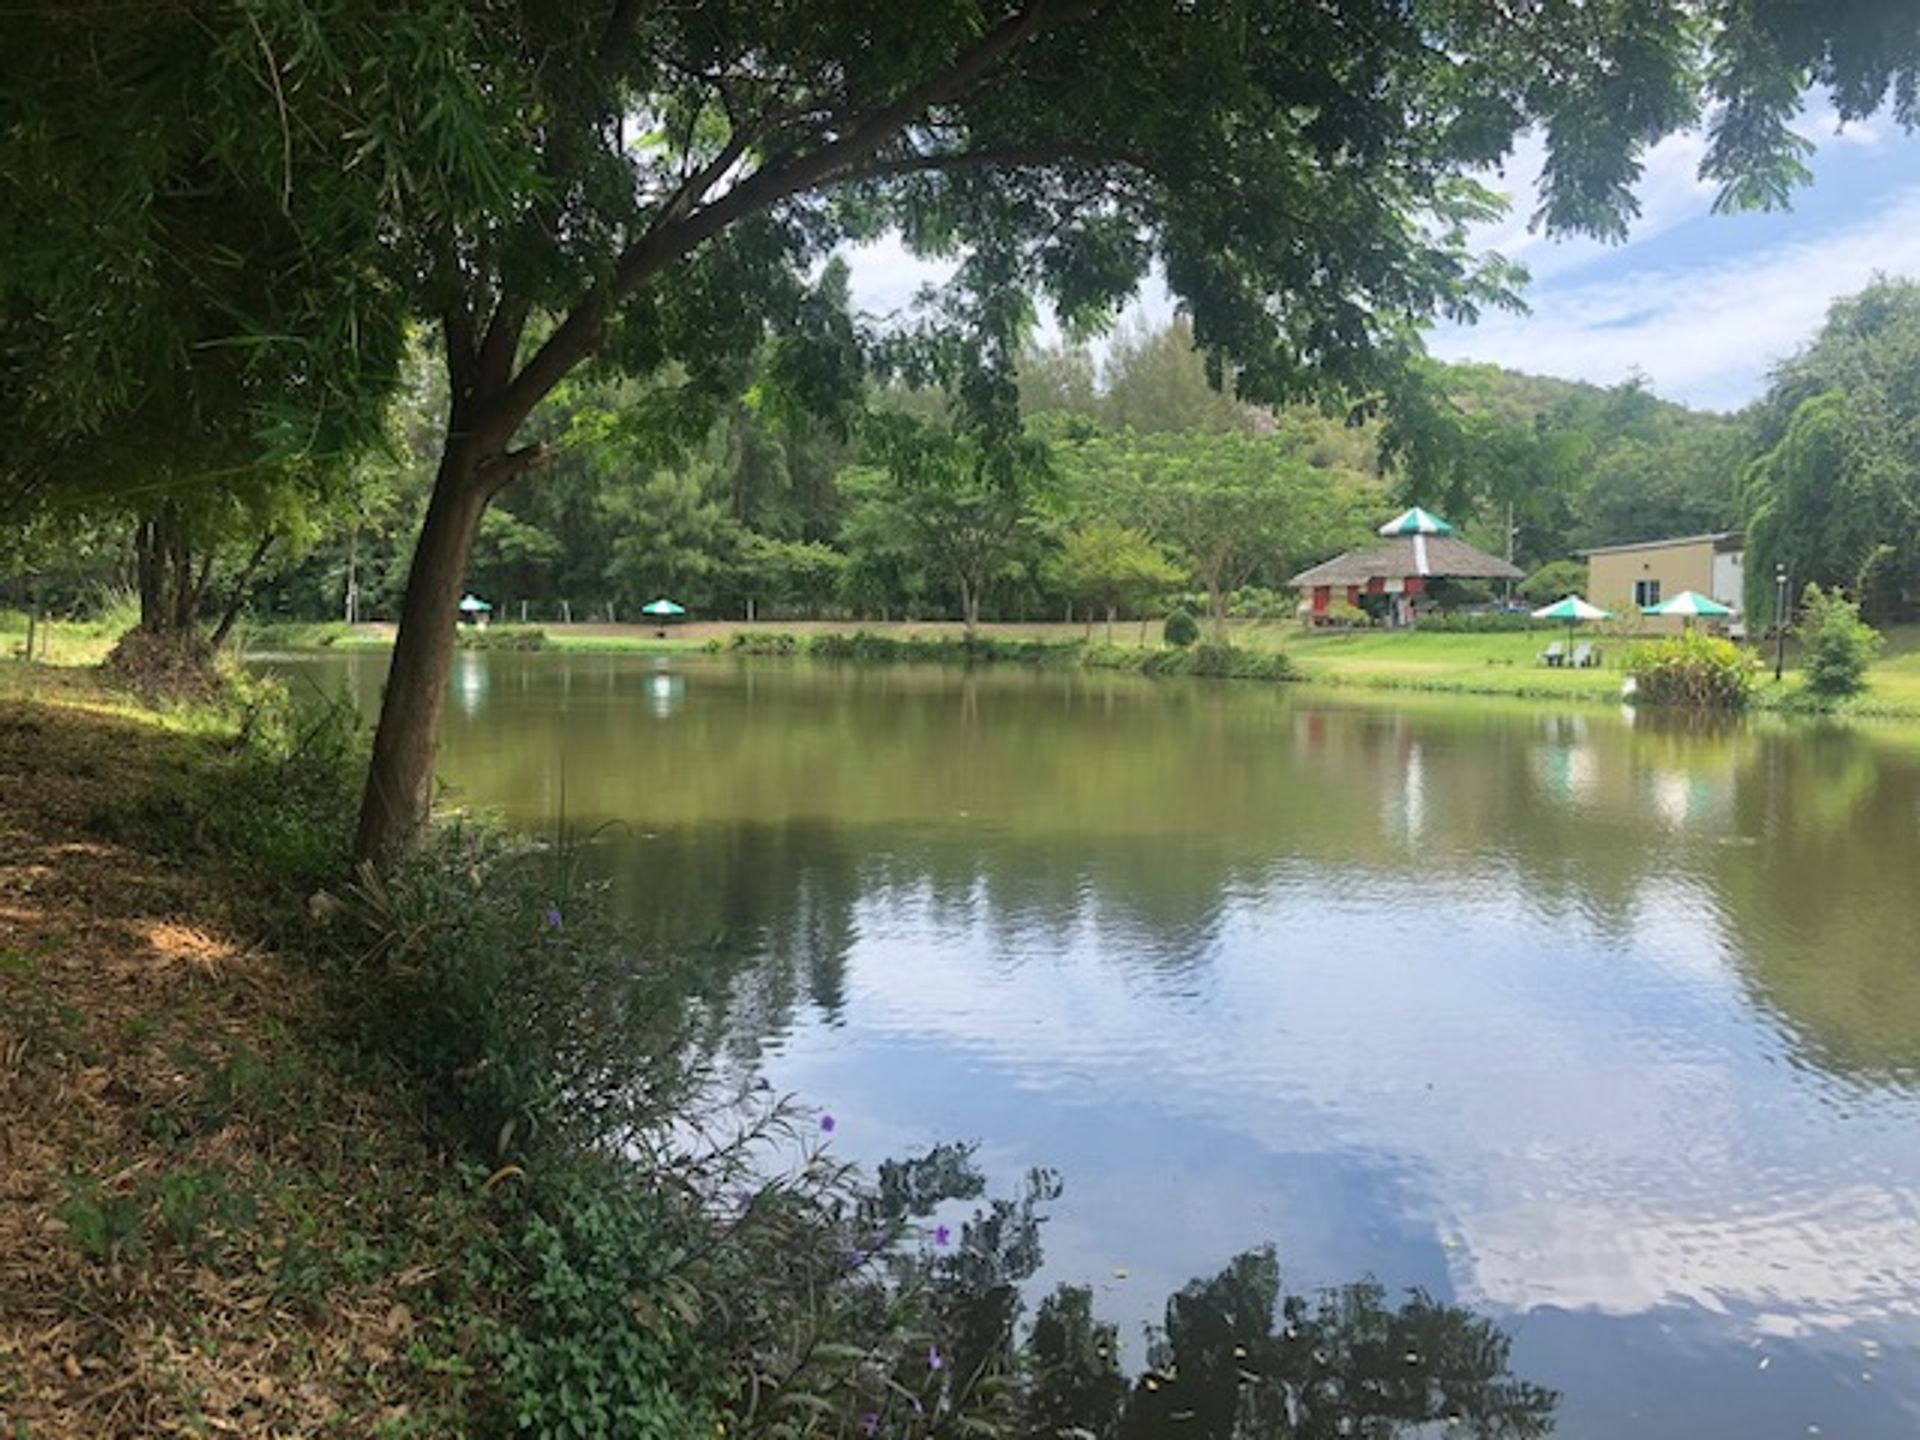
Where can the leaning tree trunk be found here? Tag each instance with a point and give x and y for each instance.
(238, 597)
(399, 794)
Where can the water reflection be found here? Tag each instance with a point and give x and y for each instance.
(1613, 1028)
(1237, 1359)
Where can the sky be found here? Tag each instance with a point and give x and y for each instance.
(1702, 305)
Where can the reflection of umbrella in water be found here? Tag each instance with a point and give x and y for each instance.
(1689, 605)
(1572, 610)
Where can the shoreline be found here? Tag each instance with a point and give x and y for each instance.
(1487, 666)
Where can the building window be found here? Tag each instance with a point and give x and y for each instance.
(1646, 592)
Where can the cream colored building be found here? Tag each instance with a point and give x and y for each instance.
(1625, 578)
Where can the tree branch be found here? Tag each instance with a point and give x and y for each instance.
(670, 238)
(1012, 157)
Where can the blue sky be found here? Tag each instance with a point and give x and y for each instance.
(1703, 305)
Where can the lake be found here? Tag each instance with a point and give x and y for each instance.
(1606, 1028)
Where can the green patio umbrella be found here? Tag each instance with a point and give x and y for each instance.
(1689, 605)
(471, 604)
(1416, 522)
(1572, 609)
(662, 607)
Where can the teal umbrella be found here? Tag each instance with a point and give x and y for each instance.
(1416, 522)
(473, 605)
(1572, 610)
(1689, 605)
(663, 606)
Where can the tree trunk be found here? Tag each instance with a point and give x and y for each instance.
(399, 794)
(1217, 609)
(1110, 613)
(970, 606)
(238, 597)
(146, 560)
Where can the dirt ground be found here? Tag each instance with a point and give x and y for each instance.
(201, 1230)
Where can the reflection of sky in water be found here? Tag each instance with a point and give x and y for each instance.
(1609, 1031)
(1499, 1106)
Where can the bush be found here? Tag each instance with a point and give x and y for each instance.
(862, 645)
(1181, 629)
(502, 637)
(1256, 602)
(1693, 670)
(1553, 580)
(1839, 645)
(276, 804)
(1210, 661)
(764, 642)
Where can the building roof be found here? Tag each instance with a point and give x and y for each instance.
(1722, 540)
(1439, 556)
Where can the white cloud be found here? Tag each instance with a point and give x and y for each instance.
(1705, 333)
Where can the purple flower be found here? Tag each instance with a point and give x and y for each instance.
(941, 1235)
(935, 1360)
(553, 918)
(856, 1258)
(870, 1423)
(827, 1122)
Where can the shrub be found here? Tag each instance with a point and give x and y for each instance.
(764, 642)
(862, 645)
(1839, 645)
(1553, 580)
(501, 637)
(1256, 602)
(1181, 629)
(1693, 670)
(1221, 662)
(275, 804)
(1343, 611)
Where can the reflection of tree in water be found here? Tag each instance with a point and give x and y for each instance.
(1823, 904)
(1238, 1358)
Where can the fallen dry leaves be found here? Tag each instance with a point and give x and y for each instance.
(126, 1013)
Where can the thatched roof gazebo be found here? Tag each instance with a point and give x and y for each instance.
(1419, 547)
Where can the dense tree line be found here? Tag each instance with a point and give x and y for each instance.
(1140, 482)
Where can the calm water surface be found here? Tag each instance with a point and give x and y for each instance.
(1609, 1031)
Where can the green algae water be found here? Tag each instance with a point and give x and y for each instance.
(1603, 1028)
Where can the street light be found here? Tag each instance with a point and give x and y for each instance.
(1779, 620)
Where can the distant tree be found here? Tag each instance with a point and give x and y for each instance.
(670, 537)
(1111, 567)
(1834, 491)
(1157, 381)
(962, 496)
(1230, 506)
(1553, 580)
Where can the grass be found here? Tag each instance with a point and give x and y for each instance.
(1499, 665)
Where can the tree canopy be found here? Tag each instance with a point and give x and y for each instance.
(1834, 491)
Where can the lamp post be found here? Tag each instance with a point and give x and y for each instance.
(1779, 620)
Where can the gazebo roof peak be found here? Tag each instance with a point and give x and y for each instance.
(1416, 522)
